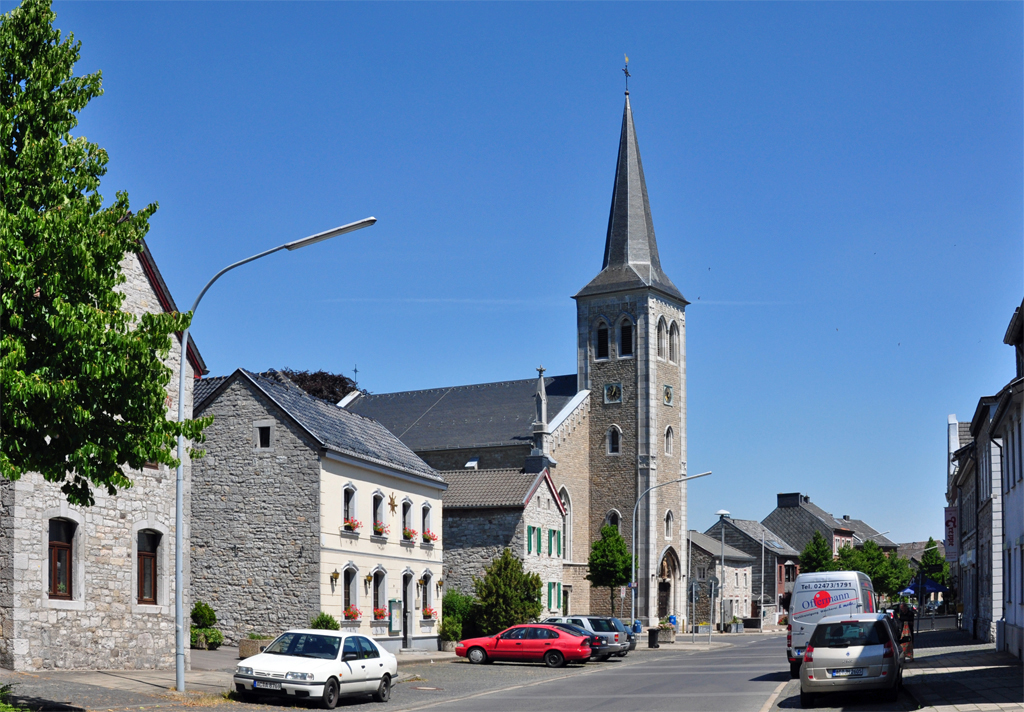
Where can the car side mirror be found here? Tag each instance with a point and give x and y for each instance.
(349, 656)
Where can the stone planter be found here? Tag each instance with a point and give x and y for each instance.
(352, 625)
(247, 647)
(703, 629)
(735, 628)
(666, 635)
(447, 646)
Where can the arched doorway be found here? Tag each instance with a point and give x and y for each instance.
(668, 575)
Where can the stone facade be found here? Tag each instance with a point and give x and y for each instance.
(255, 535)
(489, 458)
(544, 516)
(102, 625)
(474, 538)
(702, 566)
(570, 448)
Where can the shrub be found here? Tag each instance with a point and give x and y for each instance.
(457, 605)
(203, 616)
(451, 628)
(206, 638)
(507, 595)
(324, 621)
(260, 636)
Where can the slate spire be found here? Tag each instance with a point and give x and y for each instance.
(630, 251)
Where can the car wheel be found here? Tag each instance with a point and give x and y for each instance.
(476, 656)
(620, 655)
(602, 658)
(331, 694)
(553, 658)
(794, 670)
(383, 693)
(806, 700)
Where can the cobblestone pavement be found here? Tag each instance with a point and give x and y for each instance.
(951, 672)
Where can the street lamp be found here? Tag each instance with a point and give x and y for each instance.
(179, 624)
(722, 514)
(633, 583)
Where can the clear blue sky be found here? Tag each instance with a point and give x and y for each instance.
(836, 187)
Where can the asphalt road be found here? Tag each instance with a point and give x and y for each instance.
(741, 678)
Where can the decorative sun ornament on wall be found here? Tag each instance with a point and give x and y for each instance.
(392, 503)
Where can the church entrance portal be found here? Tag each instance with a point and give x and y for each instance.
(668, 575)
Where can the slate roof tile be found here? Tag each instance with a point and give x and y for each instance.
(714, 546)
(772, 541)
(471, 488)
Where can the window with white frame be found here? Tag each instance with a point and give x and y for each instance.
(427, 597)
(378, 514)
(380, 591)
(670, 440)
(662, 339)
(348, 507)
(408, 533)
(612, 519)
(425, 523)
(348, 582)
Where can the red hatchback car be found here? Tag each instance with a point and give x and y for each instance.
(527, 643)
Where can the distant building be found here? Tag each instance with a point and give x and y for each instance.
(777, 568)
(796, 519)
(735, 579)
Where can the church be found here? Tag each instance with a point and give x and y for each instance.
(540, 465)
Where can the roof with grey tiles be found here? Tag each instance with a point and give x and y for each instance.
(714, 546)
(862, 532)
(798, 524)
(484, 414)
(203, 388)
(631, 258)
(914, 550)
(471, 488)
(772, 541)
(336, 429)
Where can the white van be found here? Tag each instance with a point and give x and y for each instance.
(826, 593)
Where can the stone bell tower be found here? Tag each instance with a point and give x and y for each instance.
(631, 356)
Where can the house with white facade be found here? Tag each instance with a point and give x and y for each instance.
(301, 506)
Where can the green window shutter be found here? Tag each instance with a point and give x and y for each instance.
(529, 540)
(539, 530)
(549, 594)
(550, 532)
(558, 603)
(559, 537)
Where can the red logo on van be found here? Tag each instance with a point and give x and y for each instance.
(822, 599)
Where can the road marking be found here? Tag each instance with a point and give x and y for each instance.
(775, 695)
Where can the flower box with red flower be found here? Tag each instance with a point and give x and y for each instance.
(352, 613)
(429, 537)
(381, 529)
(429, 613)
(352, 524)
(409, 534)
(380, 614)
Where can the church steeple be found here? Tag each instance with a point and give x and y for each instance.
(630, 252)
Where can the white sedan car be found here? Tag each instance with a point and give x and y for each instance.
(321, 665)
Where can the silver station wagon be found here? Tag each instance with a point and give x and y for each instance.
(851, 653)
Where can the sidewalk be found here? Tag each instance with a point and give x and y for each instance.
(951, 673)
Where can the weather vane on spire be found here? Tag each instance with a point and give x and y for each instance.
(625, 70)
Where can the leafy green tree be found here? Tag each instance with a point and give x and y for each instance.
(817, 555)
(83, 382)
(507, 595)
(610, 562)
(932, 557)
(895, 577)
(849, 559)
(324, 621)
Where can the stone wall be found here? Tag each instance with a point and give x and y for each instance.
(256, 529)
(473, 538)
(701, 610)
(102, 626)
(745, 544)
(570, 447)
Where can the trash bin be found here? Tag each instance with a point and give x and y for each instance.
(638, 627)
(672, 620)
(652, 638)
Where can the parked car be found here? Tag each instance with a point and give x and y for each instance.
(820, 594)
(598, 645)
(851, 653)
(320, 665)
(529, 643)
(617, 642)
(630, 635)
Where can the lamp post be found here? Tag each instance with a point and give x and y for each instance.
(633, 583)
(722, 514)
(179, 618)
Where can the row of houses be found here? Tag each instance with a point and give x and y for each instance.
(985, 509)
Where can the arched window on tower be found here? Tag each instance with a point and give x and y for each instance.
(662, 338)
(670, 440)
(563, 495)
(673, 343)
(625, 337)
(612, 519)
(669, 522)
(602, 341)
(613, 440)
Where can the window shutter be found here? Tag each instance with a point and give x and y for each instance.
(539, 530)
(558, 603)
(529, 540)
(559, 551)
(549, 594)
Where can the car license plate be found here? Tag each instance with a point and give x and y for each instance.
(263, 685)
(848, 672)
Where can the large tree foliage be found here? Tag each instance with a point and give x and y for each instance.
(610, 562)
(816, 556)
(322, 384)
(932, 557)
(83, 382)
(507, 595)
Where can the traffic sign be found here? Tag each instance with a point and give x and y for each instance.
(713, 586)
(695, 590)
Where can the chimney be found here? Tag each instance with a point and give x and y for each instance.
(790, 499)
(473, 464)
(846, 517)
